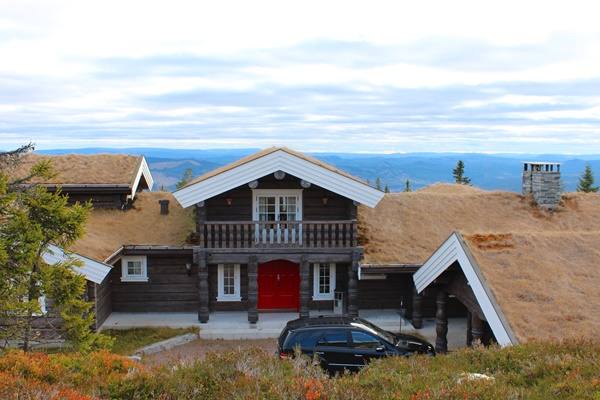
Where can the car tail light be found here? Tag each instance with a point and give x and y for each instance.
(285, 356)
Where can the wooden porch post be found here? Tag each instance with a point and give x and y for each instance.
(441, 322)
(353, 285)
(200, 259)
(417, 309)
(477, 329)
(304, 287)
(252, 289)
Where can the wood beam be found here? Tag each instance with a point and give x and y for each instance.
(353, 285)
(304, 287)
(201, 261)
(417, 309)
(252, 289)
(441, 322)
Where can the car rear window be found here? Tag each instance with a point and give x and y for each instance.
(305, 339)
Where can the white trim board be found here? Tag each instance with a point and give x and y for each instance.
(92, 270)
(268, 164)
(144, 171)
(455, 249)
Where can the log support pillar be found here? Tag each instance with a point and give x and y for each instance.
(201, 260)
(304, 287)
(477, 329)
(252, 289)
(353, 285)
(441, 322)
(417, 309)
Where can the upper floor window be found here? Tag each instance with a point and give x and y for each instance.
(323, 281)
(277, 205)
(134, 269)
(228, 282)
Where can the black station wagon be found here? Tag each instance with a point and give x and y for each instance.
(345, 343)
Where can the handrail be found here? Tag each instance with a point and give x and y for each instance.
(263, 234)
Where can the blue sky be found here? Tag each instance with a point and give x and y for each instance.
(460, 76)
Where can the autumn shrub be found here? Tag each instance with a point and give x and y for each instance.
(569, 370)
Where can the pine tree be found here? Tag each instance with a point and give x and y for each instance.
(459, 174)
(185, 178)
(407, 186)
(386, 189)
(378, 183)
(586, 181)
(31, 219)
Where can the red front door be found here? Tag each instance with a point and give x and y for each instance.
(278, 285)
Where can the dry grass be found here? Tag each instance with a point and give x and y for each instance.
(546, 283)
(108, 230)
(266, 152)
(409, 227)
(84, 169)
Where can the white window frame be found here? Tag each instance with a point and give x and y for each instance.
(332, 280)
(125, 277)
(221, 296)
(277, 193)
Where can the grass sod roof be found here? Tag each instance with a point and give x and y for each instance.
(266, 152)
(74, 169)
(107, 230)
(408, 227)
(546, 283)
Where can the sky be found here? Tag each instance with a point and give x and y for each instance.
(371, 76)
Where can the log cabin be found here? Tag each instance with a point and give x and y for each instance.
(281, 231)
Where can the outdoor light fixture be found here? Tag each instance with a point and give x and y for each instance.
(325, 199)
(229, 200)
(305, 184)
(188, 268)
(253, 185)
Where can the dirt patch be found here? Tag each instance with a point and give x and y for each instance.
(198, 349)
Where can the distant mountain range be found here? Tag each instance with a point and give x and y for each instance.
(498, 171)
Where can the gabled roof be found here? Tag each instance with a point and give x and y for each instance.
(451, 251)
(92, 171)
(271, 160)
(539, 285)
(107, 230)
(92, 270)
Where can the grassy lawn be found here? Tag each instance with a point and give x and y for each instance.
(129, 340)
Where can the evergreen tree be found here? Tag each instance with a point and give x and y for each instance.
(32, 218)
(386, 189)
(459, 174)
(185, 178)
(407, 186)
(586, 181)
(378, 183)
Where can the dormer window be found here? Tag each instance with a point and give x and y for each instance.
(134, 269)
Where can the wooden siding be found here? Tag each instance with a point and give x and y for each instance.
(337, 208)
(110, 200)
(102, 301)
(169, 288)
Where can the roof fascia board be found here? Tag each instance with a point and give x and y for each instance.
(143, 170)
(92, 270)
(278, 160)
(452, 250)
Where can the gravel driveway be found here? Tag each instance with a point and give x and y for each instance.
(199, 348)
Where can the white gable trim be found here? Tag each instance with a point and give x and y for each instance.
(92, 270)
(452, 250)
(144, 171)
(268, 164)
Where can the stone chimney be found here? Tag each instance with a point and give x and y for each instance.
(542, 180)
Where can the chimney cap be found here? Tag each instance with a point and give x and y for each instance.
(541, 163)
(164, 206)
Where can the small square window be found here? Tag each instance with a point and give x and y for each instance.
(228, 282)
(134, 269)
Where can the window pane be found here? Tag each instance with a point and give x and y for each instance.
(229, 279)
(287, 208)
(363, 340)
(336, 338)
(134, 268)
(324, 279)
(307, 340)
(266, 208)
